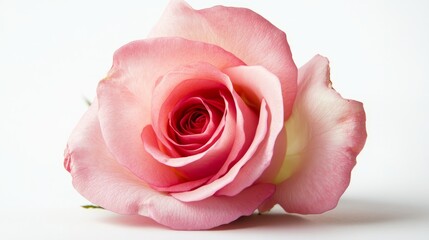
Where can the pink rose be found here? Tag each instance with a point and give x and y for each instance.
(208, 120)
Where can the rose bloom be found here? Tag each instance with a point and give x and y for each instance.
(209, 119)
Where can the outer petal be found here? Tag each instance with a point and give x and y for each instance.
(120, 115)
(208, 213)
(325, 134)
(238, 30)
(96, 175)
(99, 178)
(140, 64)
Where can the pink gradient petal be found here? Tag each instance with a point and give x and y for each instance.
(238, 30)
(96, 174)
(246, 125)
(248, 80)
(191, 167)
(181, 187)
(124, 111)
(258, 156)
(182, 83)
(190, 130)
(140, 64)
(200, 78)
(334, 130)
(121, 116)
(211, 188)
(99, 178)
(208, 213)
(178, 146)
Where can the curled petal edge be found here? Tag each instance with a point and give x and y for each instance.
(325, 133)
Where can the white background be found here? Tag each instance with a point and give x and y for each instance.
(53, 53)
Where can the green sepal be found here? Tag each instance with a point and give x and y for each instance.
(91, 207)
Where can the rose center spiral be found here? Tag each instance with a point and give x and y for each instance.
(195, 120)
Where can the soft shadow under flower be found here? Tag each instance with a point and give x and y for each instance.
(351, 212)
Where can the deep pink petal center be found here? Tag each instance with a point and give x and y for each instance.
(194, 120)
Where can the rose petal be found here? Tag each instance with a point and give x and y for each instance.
(209, 189)
(95, 173)
(184, 186)
(250, 166)
(240, 31)
(176, 86)
(207, 213)
(125, 111)
(99, 178)
(246, 126)
(198, 143)
(248, 79)
(141, 63)
(120, 115)
(198, 120)
(325, 134)
(193, 167)
(238, 115)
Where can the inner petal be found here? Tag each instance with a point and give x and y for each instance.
(199, 145)
(202, 162)
(196, 122)
(175, 135)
